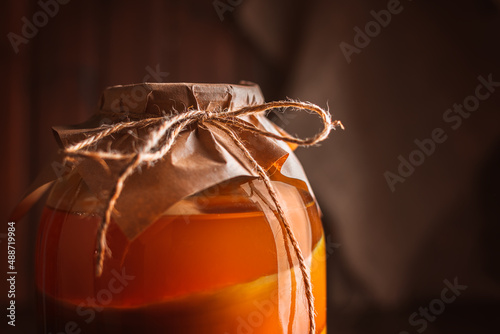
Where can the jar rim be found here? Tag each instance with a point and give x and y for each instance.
(156, 99)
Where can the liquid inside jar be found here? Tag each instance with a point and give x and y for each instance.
(216, 262)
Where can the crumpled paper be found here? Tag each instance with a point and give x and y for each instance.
(201, 157)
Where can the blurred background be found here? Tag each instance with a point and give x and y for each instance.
(409, 191)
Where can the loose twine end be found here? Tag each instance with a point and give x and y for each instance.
(166, 132)
(336, 124)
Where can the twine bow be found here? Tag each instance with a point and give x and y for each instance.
(160, 141)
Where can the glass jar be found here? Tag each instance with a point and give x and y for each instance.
(216, 261)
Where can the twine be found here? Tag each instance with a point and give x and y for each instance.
(161, 140)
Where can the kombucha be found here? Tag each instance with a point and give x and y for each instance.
(218, 262)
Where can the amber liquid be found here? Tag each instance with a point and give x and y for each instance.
(224, 269)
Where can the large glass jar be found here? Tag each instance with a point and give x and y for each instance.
(217, 261)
